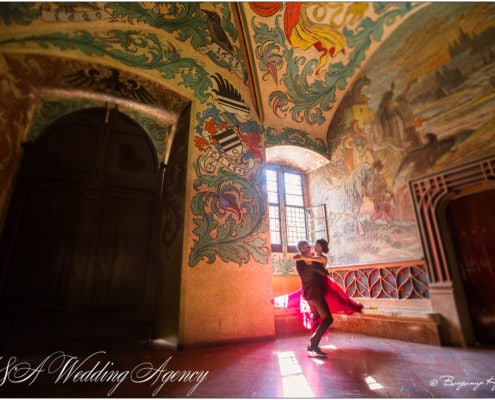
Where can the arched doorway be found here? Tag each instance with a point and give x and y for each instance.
(472, 226)
(432, 195)
(79, 243)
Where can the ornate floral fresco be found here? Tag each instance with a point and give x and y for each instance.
(236, 185)
(371, 93)
(418, 98)
(309, 52)
(228, 218)
(384, 91)
(411, 111)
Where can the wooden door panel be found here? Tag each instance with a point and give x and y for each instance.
(128, 152)
(80, 293)
(79, 246)
(472, 223)
(121, 264)
(43, 247)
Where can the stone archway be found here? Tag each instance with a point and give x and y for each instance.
(432, 195)
(81, 235)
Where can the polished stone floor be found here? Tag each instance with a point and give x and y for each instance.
(357, 366)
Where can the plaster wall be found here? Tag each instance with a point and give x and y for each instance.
(216, 268)
(406, 85)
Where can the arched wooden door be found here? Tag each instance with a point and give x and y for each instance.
(79, 244)
(472, 224)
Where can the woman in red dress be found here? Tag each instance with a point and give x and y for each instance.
(337, 299)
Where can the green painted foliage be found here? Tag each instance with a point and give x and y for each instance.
(157, 132)
(283, 264)
(50, 111)
(185, 20)
(295, 137)
(235, 240)
(132, 48)
(306, 96)
(146, 50)
(18, 13)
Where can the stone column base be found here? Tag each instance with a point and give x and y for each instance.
(455, 326)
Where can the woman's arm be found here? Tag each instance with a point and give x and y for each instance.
(321, 259)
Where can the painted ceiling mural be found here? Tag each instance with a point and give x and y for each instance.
(382, 108)
(306, 54)
(368, 92)
(228, 207)
(422, 103)
(142, 48)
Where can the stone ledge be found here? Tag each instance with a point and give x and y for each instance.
(409, 325)
(399, 314)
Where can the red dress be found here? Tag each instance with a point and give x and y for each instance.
(336, 298)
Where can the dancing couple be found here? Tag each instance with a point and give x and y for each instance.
(320, 292)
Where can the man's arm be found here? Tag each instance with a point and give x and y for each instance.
(319, 259)
(319, 268)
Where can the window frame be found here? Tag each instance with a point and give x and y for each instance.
(280, 171)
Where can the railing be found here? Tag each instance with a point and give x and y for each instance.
(399, 280)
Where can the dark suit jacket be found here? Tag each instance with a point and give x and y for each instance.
(311, 279)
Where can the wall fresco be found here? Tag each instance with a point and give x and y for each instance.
(340, 32)
(400, 118)
(138, 48)
(283, 264)
(208, 29)
(294, 137)
(50, 111)
(96, 84)
(424, 102)
(229, 206)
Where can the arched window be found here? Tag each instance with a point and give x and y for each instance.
(286, 207)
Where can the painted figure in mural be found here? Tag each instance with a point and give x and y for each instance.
(390, 124)
(316, 284)
(346, 200)
(216, 31)
(383, 196)
(395, 122)
(356, 147)
(311, 269)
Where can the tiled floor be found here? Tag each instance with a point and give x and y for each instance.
(357, 366)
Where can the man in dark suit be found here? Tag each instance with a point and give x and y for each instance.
(311, 273)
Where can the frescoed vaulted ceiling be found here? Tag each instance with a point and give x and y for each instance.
(320, 66)
(308, 54)
(299, 59)
(334, 83)
(362, 97)
(306, 57)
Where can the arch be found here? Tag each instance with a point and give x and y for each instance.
(294, 156)
(51, 111)
(430, 195)
(81, 236)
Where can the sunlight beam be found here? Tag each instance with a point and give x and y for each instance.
(294, 384)
(372, 383)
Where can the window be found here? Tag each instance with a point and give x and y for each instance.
(286, 208)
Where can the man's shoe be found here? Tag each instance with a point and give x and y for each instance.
(314, 351)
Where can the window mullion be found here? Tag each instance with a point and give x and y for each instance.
(283, 211)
